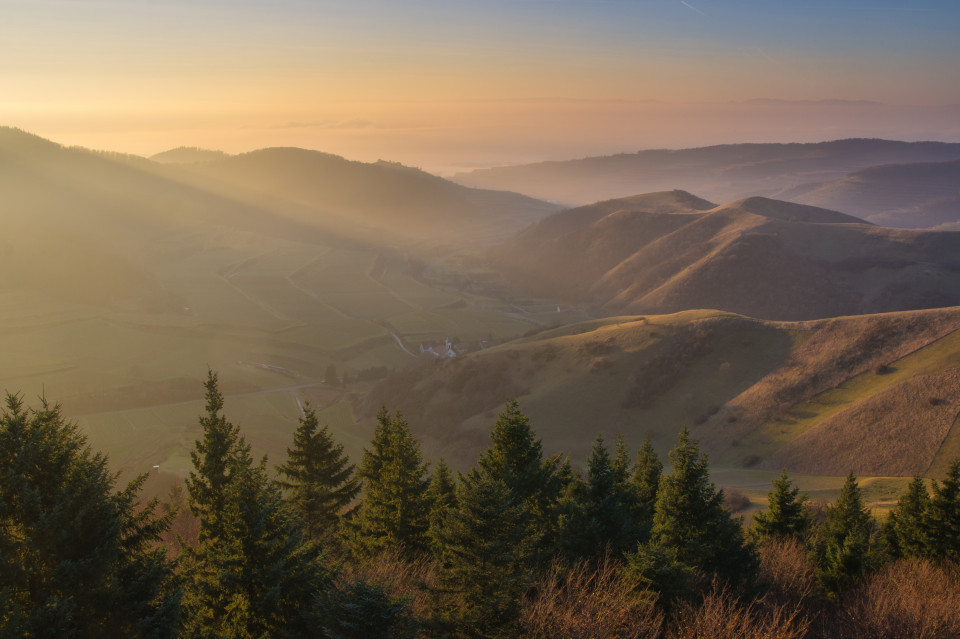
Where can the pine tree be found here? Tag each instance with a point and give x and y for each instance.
(905, 527)
(689, 518)
(516, 458)
(252, 574)
(487, 548)
(600, 519)
(76, 558)
(394, 511)
(943, 516)
(842, 548)
(259, 578)
(442, 498)
(214, 462)
(646, 482)
(318, 476)
(787, 513)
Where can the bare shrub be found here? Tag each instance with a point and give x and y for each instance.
(786, 571)
(413, 580)
(750, 460)
(722, 615)
(909, 599)
(584, 603)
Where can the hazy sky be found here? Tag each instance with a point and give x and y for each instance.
(445, 84)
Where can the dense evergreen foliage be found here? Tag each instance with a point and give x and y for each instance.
(613, 549)
(843, 547)
(318, 477)
(690, 521)
(787, 514)
(76, 558)
(394, 511)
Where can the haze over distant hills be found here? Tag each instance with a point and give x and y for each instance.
(757, 256)
(921, 195)
(383, 195)
(720, 173)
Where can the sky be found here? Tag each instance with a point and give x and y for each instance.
(449, 85)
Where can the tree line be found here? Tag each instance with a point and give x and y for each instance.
(521, 545)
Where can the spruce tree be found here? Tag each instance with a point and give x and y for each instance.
(646, 483)
(905, 527)
(689, 518)
(943, 516)
(77, 559)
(487, 548)
(600, 519)
(442, 498)
(516, 458)
(259, 578)
(787, 513)
(252, 574)
(842, 548)
(395, 510)
(214, 462)
(318, 477)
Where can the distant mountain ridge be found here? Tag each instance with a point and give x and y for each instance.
(919, 195)
(386, 195)
(720, 173)
(757, 256)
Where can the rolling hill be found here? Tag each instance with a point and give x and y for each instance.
(721, 173)
(385, 197)
(921, 195)
(875, 394)
(756, 256)
(126, 279)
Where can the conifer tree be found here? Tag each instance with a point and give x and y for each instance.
(516, 458)
(487, 548)
(943, 516)
(646, 483)
(689, 518)
(76, 558)
(259, 578)
(252, 574)
(214, 463)
(318, 476)
(394, 511)
(600, 518)
(787, 513)
(905, 527)
(842, 548)
(442, 498)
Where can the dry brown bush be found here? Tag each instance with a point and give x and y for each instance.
(722, 615)
(909, 599)
(588, 603)
(786, 571)
(415, 580)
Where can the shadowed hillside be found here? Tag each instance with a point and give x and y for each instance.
(719, 173)
(903, 195)
(875, 394)
(385, 196)
(756, 256)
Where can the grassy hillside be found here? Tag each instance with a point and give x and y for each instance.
(756, 256)
(125, 280)
(720, 173)
(920, 195)
(875, 394)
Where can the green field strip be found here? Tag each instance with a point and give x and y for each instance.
(939, 355)
(949, 451)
